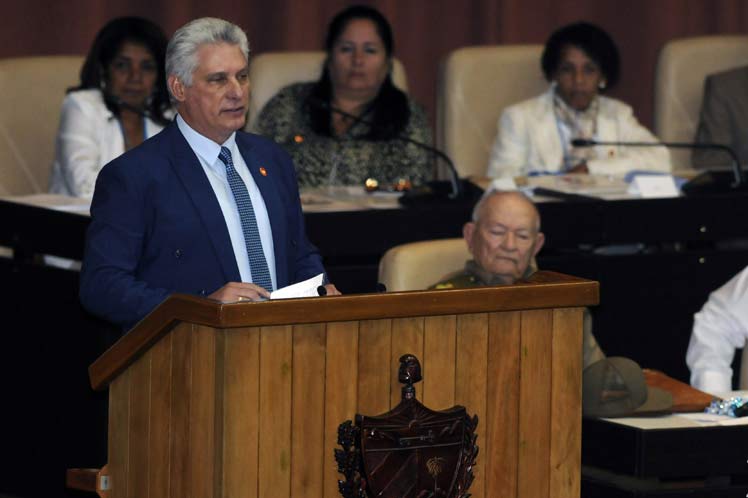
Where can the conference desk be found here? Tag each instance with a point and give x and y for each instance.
(656, 261)
(359, 235)
(680, 455)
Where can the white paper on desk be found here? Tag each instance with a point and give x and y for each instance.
(653, 186)
(74, 208)
(307, 288)
(735, 421)
(505, 183)
(705, 419)
(54, 201)
(604, 187)
(315, 202)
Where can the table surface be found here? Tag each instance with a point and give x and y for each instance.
(678, 446)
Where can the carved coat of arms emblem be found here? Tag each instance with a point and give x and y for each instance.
(410, 451)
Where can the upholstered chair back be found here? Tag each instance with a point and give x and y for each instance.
(475, 85)
(31, 94)
(418, 265)
(682, 67)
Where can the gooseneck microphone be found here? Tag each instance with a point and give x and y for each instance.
(118, 102)
(738, 181)
(454, 177)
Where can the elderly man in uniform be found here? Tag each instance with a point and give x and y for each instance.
(504, 236)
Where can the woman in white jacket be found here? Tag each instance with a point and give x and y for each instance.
(121, 101)
(534, 137)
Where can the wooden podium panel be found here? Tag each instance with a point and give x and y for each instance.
(244, 400)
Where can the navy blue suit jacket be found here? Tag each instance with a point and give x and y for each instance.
(157, 228)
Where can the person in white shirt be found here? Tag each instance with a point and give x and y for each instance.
(121, 101)
(719, 329)
(535, 136)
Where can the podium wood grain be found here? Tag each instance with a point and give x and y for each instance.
(566, 401)
(439, 343)
(502, 411)
(307, 458)
(471, 379)
(219, 401)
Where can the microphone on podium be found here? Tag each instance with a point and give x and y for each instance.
(434, 192)
(706, 182)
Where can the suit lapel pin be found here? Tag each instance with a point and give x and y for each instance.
(263, 171)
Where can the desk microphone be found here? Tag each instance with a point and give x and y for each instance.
(118, 102)
(454, 177)
(709, 181)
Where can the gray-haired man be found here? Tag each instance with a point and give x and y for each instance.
(201, 208)
(504, 236)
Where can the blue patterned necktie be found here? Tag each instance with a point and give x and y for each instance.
(257, 263)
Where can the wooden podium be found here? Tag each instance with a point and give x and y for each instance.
(213, 400)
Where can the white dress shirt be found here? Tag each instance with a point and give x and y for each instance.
(719, 328)
(207, 152)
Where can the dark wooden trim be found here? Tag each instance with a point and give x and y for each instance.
(82, 479)
(543, 290)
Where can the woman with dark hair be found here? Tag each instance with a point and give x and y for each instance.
(330, 148)
(121, 101)
(580, 61)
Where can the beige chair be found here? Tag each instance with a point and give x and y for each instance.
(271, 71)
(418, 265)
(31, 94)
(475, 85)
(682, 67)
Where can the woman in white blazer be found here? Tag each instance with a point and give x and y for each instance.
(121, 101)
(534, 137)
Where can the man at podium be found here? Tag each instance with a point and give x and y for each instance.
(201, 208)
(504, 236)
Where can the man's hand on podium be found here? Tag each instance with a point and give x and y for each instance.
(239, 291)
(332, 290)
(234, 292)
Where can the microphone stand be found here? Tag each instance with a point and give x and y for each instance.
(454, 178)
(708, 180)
(118, 102)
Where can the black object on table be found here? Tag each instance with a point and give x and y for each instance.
(619, 460)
